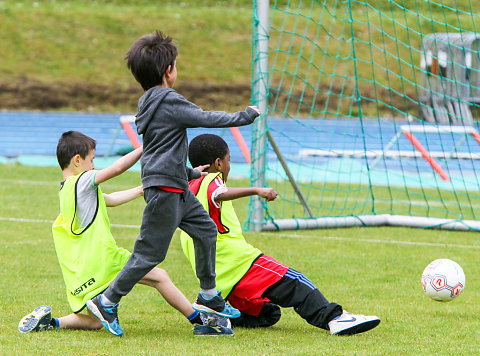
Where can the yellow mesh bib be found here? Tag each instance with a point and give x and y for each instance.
(88, 256)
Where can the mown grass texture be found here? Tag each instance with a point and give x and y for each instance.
(368, 270)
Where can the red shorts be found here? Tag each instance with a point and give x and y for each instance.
(247, 294)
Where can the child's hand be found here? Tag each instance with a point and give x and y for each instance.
(255, 108)
(202, 168)
(268, 193)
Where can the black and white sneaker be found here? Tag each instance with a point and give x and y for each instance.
(38, 320)
(215, 305)
(349, 324)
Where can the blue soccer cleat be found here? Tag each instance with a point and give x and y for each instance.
(211, 330)
(108, 315)
(215, 320)
(38, 320)
(215, 305)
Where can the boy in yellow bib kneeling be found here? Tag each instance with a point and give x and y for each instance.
(87, 252)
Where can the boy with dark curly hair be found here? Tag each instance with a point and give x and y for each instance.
(255, 283)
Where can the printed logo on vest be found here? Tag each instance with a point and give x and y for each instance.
(83, 286)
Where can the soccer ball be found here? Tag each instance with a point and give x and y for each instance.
(443, 280)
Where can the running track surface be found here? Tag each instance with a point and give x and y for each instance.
(36, 134)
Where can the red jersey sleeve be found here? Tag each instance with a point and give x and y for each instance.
(215, 208)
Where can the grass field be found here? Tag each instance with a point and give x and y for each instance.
(374, 270)
(70, 41)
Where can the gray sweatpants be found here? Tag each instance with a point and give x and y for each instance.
(165, 211)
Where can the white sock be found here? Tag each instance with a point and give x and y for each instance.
(105, 301)
(209, 293)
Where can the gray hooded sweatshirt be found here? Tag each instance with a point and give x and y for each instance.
(163, 119)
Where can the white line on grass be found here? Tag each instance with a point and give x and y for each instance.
(336, 238)
(420, 203)
(39, 221)
(29, 182)
(50, 183)
(391, 242)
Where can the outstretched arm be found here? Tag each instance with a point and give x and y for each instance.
(234, 193)
(123, 196)
(188, 115)
(119, 166)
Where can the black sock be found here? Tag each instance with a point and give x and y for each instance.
(54, 323)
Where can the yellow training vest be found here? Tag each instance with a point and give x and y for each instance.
(89, 257)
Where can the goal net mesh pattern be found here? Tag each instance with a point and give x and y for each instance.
(373, 106)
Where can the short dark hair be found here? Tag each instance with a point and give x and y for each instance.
(72, 143)
(205, 149)
(149, 58)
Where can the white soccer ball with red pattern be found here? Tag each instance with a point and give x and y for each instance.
(443, 280)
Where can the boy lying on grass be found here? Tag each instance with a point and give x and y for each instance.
(254, 283)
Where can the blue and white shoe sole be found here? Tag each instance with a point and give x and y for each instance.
(204, 309)
(35, 319)
(93, 308)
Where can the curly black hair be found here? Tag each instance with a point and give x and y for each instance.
(205, 149)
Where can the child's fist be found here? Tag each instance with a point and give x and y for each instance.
(268, 193)
(255, 108)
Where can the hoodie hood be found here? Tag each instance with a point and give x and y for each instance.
(147, 106)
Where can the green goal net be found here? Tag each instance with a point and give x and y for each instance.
(369, 113)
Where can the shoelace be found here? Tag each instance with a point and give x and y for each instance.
(111, 310)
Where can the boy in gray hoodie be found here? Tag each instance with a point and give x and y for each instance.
(163, 118)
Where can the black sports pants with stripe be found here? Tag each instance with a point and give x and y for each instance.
(297, 291)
